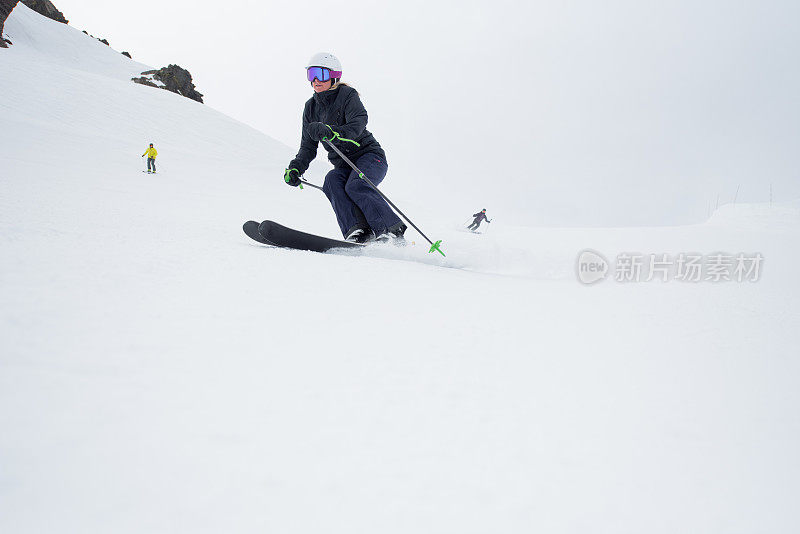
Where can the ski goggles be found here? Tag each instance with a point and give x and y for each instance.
(322, 74)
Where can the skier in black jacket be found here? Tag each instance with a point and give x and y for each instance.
(479, 217)
(335, 113)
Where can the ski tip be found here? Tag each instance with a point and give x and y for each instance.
(251, 230)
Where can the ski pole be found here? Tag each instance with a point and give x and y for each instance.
(309, 184)
(434, 246)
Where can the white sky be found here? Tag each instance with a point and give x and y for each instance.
(536, 108)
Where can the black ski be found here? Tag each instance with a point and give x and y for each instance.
(281, 236)
(251, 230)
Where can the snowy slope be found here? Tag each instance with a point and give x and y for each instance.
(159, 372)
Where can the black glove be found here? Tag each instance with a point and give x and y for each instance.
(291, 177)
(319, 131)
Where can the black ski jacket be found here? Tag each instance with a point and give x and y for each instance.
(480, 216)
(343, 111)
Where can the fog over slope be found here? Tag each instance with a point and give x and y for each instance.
(160, 372)
(580, 113)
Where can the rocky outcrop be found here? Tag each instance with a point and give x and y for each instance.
(6, 7)
(46, 8)
(172, 78)
(148, 80)
(127, 55)
(104, 41)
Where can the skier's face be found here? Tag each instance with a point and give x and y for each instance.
(321, 86)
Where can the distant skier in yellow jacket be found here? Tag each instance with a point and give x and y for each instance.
(151, 154)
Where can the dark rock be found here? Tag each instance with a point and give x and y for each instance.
(104, 41)
(145, 81)
(6, 7)
(46, 8)
(127, 54)
(175, 79)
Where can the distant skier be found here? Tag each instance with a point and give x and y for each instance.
(151, 154)
(335, 113)
(479, 217)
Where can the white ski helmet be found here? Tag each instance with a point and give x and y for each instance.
(329, 61)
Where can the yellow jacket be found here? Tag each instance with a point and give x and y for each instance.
(150, 153)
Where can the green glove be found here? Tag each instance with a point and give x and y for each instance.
(291, 177)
